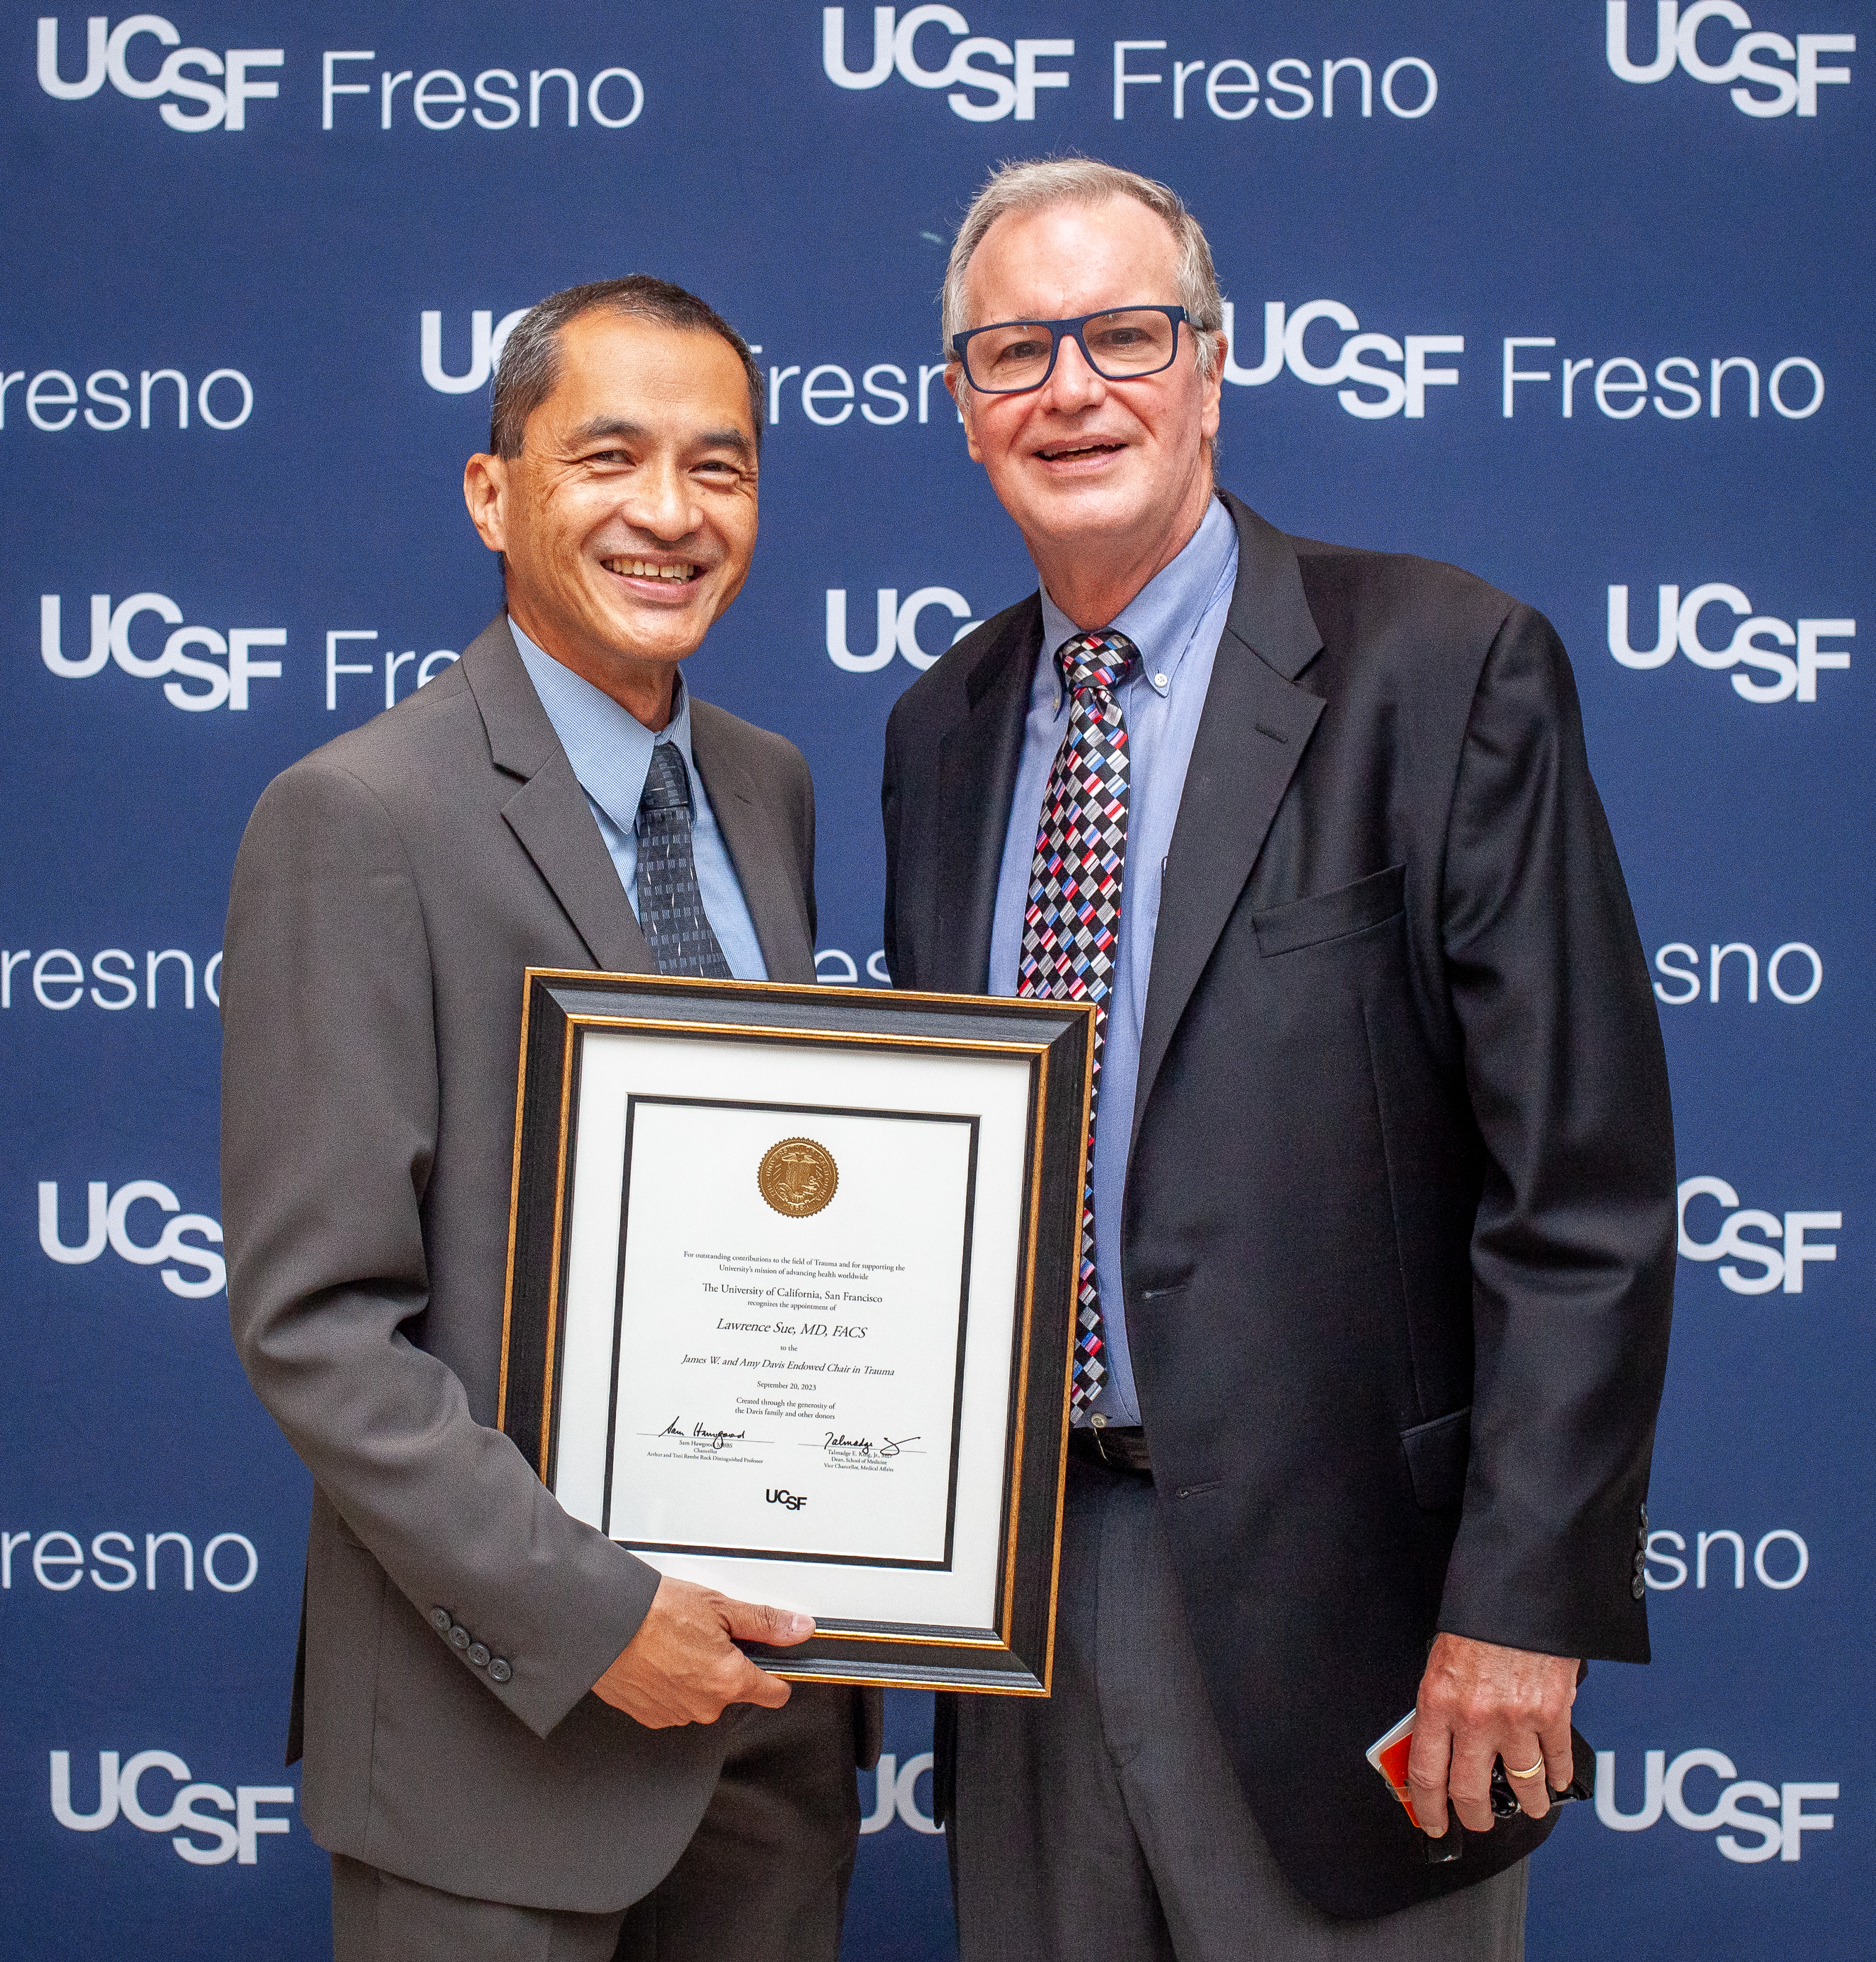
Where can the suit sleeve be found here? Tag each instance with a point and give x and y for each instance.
(1573, 1248)
(329, 1130)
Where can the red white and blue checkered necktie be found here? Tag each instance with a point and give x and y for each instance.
(1071, 925)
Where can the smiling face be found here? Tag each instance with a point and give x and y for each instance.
(628, 520)
(1106, 480)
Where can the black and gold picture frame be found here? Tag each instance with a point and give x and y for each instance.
(790, 1303)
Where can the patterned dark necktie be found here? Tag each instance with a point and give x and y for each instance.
(670, 906)
(1071, 925)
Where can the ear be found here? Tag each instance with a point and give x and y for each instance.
(955, 387)
(485, 491)
(1212, 387)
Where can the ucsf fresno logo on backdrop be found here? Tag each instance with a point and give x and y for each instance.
(195, 683)
(188, 1269)
(1228, 91)
(969, 69)
(1795, 972)
(51, 399)
(895, 1795)
(1777, 1830)
(895, 629)
(1754, 61)
(121, 1794)
(223, 682)
(1759, 642)
(199, 89)
(1771, 1266)
(1320, 344)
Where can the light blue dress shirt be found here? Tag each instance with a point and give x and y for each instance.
(1175, 621)
(610, 750)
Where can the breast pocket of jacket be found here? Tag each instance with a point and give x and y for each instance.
(1369, 902)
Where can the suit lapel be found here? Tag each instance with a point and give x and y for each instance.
(772, 886)
(978, 760)
(1256, 725)
(548, 813)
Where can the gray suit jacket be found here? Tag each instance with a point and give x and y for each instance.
(389, 891)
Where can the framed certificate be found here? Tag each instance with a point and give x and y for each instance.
(790, 1303)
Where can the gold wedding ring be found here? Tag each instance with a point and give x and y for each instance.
(1531, 1774)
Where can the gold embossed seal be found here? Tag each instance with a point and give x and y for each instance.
(797, 1176)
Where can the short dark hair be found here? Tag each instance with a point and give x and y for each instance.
(529, 368)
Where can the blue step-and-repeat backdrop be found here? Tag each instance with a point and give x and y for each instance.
(1577, 295)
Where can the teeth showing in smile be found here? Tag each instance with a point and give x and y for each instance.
(1086, 449)
(645, 568)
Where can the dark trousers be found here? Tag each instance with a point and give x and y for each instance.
(1108, 1820)
(764, 1880)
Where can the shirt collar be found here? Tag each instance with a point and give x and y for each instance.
(608, 745)
(1163, 616)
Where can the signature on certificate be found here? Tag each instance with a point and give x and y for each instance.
(701, 1436)
(838, 1444)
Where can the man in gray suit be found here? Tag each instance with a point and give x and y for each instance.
(519, 1740)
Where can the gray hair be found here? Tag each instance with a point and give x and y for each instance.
(530, 369)
(1043, 182)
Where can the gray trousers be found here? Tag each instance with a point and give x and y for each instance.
(764, 1880)
(1107, 1820)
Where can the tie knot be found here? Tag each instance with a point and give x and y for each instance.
(1102, 660)
(667, 783)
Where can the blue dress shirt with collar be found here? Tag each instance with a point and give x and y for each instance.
(1175, 621)
(610, 750)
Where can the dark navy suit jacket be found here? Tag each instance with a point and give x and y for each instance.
(1399, 1229)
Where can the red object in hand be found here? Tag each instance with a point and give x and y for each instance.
(1388, 1754)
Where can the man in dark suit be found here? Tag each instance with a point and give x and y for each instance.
(519, 1739)
(1379, 1240)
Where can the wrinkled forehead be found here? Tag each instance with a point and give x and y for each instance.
(1071, 257)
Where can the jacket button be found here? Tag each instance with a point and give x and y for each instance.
(499, 1670)
(478, 1654)
(459, 1637)
(440, 1619)
(1644, 1519)
(1639, 1587)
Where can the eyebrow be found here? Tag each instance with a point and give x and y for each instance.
(604, 428)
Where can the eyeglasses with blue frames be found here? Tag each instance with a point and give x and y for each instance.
(1012, 356)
